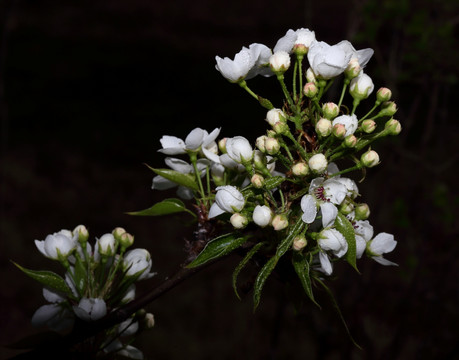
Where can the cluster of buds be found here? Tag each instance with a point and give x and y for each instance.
(99, 278)
(288, 185)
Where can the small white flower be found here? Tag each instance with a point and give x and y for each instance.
(262, 215)
(62, 243)
(90, 309)
(328, 61)
(318, 163)
(382, 243)
(239, 149)
(138, 261)
(350, 123)
(301, 36)
(361, 86)
(227, 199)
(331, 240)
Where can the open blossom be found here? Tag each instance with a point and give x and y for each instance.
(239, 149)
(350, 123)
(304, 37)
(62, 242)
(90, 309)
(331, 240)
(197, 139)
(247, 63)
(382, 243)
(228, 199)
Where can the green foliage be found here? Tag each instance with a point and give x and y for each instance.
(344, 226)
(186, 180)
(165, 207)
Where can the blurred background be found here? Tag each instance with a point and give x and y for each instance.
(87, 88)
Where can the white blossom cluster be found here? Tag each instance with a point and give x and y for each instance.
(98, 279)
(291, 171)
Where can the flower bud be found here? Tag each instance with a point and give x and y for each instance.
(222, 145)
(280, 127)
(126, 240)
(279, 222)
(318, 163)
(393, 127)
(339, 131)
(260, 142)
(239, 149)
(262, 215)
(117, 232)
(257, 180)
(362, 212)
(82, 232)
(149, 320)
(330, 110)
(368, 126)
(350, 123)
(138, 261)
(279, 61)
(229, 198)
(370, 158)
(389, 108)
(346, 207)
(238, 220)
(300, 169)
(259, 160)
(353, 69)
(383, 94)
(350, 141)
(361, 87)
(299, 243)
(310, 90)
(107, 245)
(275, 115)
(272, 146)
(310, 76)
(324, 127)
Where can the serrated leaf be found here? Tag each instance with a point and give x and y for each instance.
(343, 225)
(301, 266)
(338, 310)
(165, 207)
(242, 264)
(271, 263)
(274, 182)
(218, 247)
(47, 278)
(179, 178)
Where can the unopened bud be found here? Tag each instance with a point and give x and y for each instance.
(262, 215)
(257, 180)
(272, 146)
(280, 127)
(361, 86)
(330, 110)
(117, 232)
(370, 158)
(300, 169)
(299, 243)
(107, 245)
(383, 94)
(149, 320)
(362, 212)
(275, 115)
(310, 90)
(353, 69)
(368, 126)
(279, 222)
(318, 163)
(393, 127)
(222, 145)
(83, 234)
(259, 160)
(310, 76)
(238, 220)
(339, 131)
(260, 142)
(279, 61)
(324, 127)
(389, 108)
(350, 141)
(126, 240)
(346, 207)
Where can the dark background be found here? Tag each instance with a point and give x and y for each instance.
(87, 88)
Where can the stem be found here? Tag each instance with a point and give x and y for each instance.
(369, 112)
(295, 68)
(280, 77)
(243, 85)
(300, 74)
(356, 167)
(346, 83)
(193, 158)
(297, 145)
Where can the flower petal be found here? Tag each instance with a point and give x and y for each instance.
(309, 207)
(215, 210)
(329, 212)
(325, 263)
(172, 145)
(195, 138)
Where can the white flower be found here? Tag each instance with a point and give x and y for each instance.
(90, 309)
(197, 139)
(382, 243)
(361, 86)
(275, 115)
(363, 234)
(239, 149)
(138, 261)
(247, 63)
(60, 243)
(350, 123)
(228, 199)
(302, 36)
(328, 61)
(318, 163)
(262, 215)
(238, 221)
(362, 56)
(331, 240)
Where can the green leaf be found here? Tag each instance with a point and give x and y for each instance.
(186, 180)
(165, 207)
(343, 225)
(274, 182)
(301, 266)
(218, 247)
(338, 310)
(243, 263)
(268, 268)
(47, 278)
(80, 275)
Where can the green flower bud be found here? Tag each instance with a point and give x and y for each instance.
(126, 240)
(280, 128)
(393, 127)
(370, 158)
(389, 108)
(300, 169)
(368, 126)
(83, 234)
(222, 145)
(272, 145)
(239, 221)
(350, 141)
(353, 69)
(299, 243)
(257, 180)
(324, 127)
(117, 232)
(346, 207)
(260, 143)
(362, 212)
(310, 90)
(330, 110)
(279, 222)
(339, 131)
(383, 94)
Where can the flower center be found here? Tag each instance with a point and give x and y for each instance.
(320, 193)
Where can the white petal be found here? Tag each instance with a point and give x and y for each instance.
(40, 244)
(382, 243)
(325, 263)
(382, 261)
(360, 244)
(309, 207)
(329, 212)
(195, 138)
(160, 183)
(211, 155)
(184, 193)
(286, 42)
(172, 145)
(52, 296)
(44, 314)
(211, 137)
(178, 165)
(131, 352)
(215, 210)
